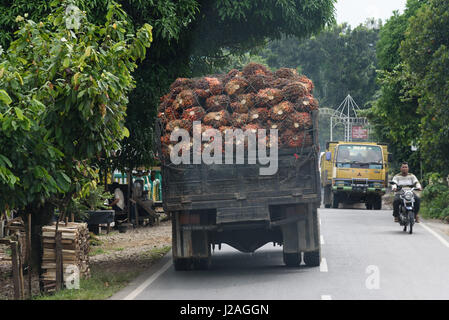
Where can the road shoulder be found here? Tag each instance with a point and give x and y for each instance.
(133, 285)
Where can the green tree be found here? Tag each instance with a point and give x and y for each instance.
(191, 37)
(394, 113)
(340, 60)
(64, 83)
(425, 52)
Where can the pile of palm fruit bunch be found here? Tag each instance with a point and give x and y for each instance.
(251, 99)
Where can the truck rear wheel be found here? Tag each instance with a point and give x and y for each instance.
(202, 263)
(292, 259)
(182, 264)
(312, 258)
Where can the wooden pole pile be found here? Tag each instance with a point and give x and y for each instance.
(17, 265)
(16, 226)
(70, 247)
(20, 254)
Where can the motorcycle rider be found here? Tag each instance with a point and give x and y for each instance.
(405, 179)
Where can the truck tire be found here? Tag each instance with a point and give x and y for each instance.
(378, 203)
(327, 197)
(312, 258)
(182, 264)
(292, 260)
(202, 264)
(334, 201)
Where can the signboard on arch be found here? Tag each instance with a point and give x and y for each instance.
(359, 132)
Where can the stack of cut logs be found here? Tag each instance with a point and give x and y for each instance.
(75, 251)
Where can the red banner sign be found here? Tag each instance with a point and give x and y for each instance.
(359, 133)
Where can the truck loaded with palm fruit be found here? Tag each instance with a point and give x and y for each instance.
(259, 188)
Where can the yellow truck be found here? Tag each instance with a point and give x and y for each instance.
(354, 172)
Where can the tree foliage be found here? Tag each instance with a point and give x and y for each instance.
(340, 61)
(394, 112)
(209, 35)
(63, 97)
(190, 37)
(425, 52)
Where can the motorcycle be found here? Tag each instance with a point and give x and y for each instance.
(406, 206)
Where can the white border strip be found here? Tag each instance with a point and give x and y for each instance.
(436, 235)
(326, 297)
(147, 282)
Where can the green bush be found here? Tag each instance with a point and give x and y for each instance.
(435, 198)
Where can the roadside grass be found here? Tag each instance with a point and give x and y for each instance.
(95, 251)
(155, 253)
(104, 281)
(100, 286)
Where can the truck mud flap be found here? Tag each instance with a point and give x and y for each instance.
(302, 235)
(189, 243)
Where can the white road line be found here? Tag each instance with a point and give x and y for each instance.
(322, 239)
(323, 265)
(326, 297)
(436, 235)
(147, 282)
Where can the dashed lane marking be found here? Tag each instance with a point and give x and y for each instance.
(323, 265)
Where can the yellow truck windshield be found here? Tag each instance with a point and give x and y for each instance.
(359, 156)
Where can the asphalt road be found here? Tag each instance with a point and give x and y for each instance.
(364, 256)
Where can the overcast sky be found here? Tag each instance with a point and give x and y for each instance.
(356, 11)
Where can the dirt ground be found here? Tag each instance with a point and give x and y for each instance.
(122, 249)
(117, 252)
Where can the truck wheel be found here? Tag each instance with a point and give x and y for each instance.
(292, 259)
(202, 264)
(312, 259)
(327, 197)
(378, 203)
(182, 264)
(334, 201)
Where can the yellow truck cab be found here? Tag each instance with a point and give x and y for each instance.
(353, 172)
